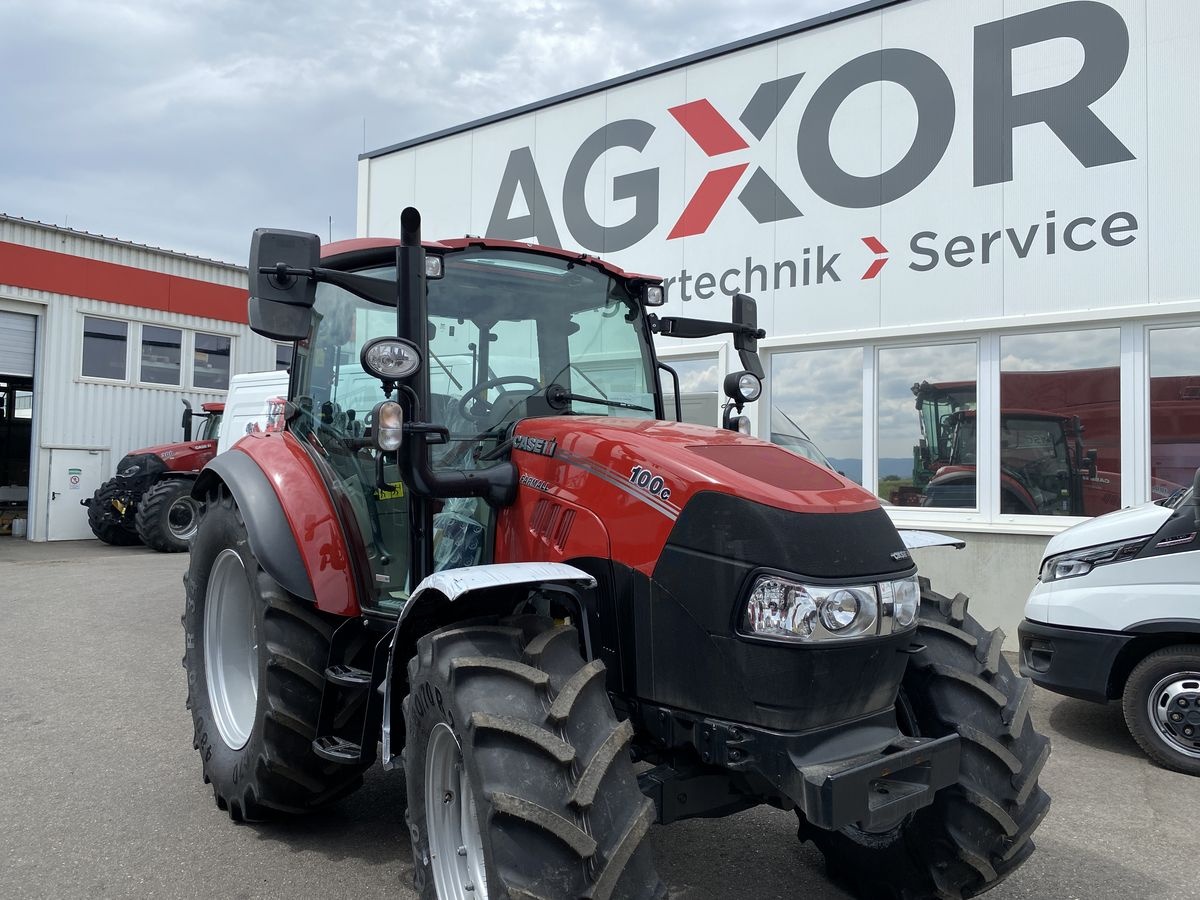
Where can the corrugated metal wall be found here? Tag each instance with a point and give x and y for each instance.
(70, 411)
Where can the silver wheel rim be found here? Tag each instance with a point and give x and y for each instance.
(1174, 708)
(230, 650)
(183, 518)
(455, 842)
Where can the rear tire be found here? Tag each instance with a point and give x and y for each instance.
(109, 523)
(168, 515)
(977, 831)
(1152, 696)
(256, 694)
(518, 772)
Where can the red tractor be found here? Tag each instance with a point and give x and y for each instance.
(480, 552)
(149, 500)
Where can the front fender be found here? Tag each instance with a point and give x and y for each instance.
(290, 519)
(454, 595)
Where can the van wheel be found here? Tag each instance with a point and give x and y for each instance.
(1162, 707)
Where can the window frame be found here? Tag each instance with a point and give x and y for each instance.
(129, 342)
(133, 344)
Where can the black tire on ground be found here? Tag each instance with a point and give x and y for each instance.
(167, 515)
(977, 831)
(276, 771)
(558, 807)
(106, 522)
(1163, 679)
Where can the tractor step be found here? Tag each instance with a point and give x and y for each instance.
(338, 750)
(348, 676)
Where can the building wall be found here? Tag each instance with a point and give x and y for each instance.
(73, 411)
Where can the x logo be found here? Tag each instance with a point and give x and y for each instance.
(716, 137)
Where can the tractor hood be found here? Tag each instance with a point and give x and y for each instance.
(1134, 522)
(665, 464)
(180, 457)
(631, 482)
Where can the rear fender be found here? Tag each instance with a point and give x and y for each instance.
(458, 595)
(290, 519)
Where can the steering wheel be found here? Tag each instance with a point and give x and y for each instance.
(470, 408)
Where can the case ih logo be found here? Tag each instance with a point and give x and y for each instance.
(999, 113)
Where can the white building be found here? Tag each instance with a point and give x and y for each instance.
(100, 341)
(995, 197)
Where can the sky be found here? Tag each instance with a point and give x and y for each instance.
(185, 124)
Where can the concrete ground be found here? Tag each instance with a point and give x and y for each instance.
(101, 795)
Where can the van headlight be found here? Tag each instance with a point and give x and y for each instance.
(782, 608)
(1080, 562)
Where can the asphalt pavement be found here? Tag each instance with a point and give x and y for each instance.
(101, 794)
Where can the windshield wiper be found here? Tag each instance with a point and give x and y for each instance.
(558, 397)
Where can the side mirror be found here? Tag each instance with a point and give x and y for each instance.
(187, 421)
(745, 341)
(1089, 462)
(282, 290)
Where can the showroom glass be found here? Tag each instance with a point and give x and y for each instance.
(926, 400)
(104, 343)
(211, 362)
(161, 355)
(1060, 399)
(699, 389)
(1174, 409)
(816, 406)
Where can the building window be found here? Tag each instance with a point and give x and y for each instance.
(925, 425)
(104, 348)
(699, 389)
(1174, 409)
(161, 355)
(283, 357)
(210, 366)
(817, 407)
(1060, 423)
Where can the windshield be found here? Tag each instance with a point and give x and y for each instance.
(505, 325)
(210, 430)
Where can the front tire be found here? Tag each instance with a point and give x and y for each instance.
(110, 517)
(1162, 705)
(977, 831)
(519, 779)
(255, 658)
(168, 516)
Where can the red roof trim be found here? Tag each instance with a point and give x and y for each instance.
(77, 276)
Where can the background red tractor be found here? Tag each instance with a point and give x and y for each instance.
(482, 549)
(150, 500)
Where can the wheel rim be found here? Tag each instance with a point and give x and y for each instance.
(455, 841)
(230, 650)
(183, 517)
(1174, 708)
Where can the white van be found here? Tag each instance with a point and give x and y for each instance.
(254, 403)
(1115, 615)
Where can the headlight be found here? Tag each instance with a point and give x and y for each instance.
(778, 607)
(389, 358)
(1080, 562)
(744, 387)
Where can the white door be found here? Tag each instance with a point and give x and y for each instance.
(74, 476)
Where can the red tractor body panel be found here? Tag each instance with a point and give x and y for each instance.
(311, 516)
(185, 457)
(636, 475)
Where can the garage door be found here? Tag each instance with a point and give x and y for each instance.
(16, 344)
